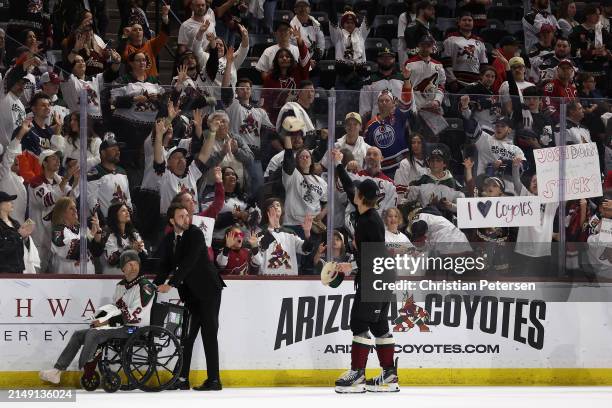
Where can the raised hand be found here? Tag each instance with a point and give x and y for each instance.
(182, 74)
(218, 174)
(337, 156)
(406, 72)
(468, 163)
(229, 55)
(160, 128)
(244, 33)
(214, 125)
(115, 57)
(307, 225)
(210, 37)
(295, 33)
(173, 112)
(198, 116)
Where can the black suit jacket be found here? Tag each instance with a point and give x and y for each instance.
(192, 272)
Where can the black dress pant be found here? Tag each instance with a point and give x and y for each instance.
(205, 320)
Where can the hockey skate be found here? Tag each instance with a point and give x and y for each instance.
(351, 382)
(387, 381)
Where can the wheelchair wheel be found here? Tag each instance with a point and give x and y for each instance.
(111, 382)
(90, 383)
(152, 358)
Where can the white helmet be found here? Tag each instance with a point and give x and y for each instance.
(111, 314)
(330, 277)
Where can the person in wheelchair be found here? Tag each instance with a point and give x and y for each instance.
(134, 297)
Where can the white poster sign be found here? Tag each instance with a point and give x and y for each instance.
(581, 176)
(488, 212)
(207, 225)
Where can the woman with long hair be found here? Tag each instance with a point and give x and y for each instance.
(286, 74)
(121, 236)
(66, 239)
(565, 16)
(14, 238)
(72, 148)
(78, 81)
(237, 209)
(210, 78)
(84, 42)
(414, 166)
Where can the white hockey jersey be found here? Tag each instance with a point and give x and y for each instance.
(281, 256)
(135, 300)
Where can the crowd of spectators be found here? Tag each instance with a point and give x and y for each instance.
(434, 101)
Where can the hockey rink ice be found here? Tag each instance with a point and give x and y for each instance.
(319, 397)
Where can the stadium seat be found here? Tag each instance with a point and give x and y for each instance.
(258, 43)
(283, 15)
(495, 24)
(362, 6)
(492, 35)
(514, 26)
(444, 11)
(502, 13)
(320, 103)
(323, 19)
(385, 26)
(328, 73)
(446, 23)
(250, 72)
(396, 8)
(373, 46)
(499, 3)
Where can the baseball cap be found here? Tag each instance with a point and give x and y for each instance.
(46, 153)
(386, 51)
(439, 151)
(109, 141)
(302, 1)
(353, 115)
(503, 120)
(291, 124)
(566, 62)
(177, 149)
(367, 188)
(4, 196)
(427, 39)
(508, 40)
(50, 77)
(516, 61)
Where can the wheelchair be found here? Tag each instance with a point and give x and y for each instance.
(150, 358)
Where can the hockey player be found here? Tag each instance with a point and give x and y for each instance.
(133, 297)
(371, 316)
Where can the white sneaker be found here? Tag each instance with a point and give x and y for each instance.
(52, 375)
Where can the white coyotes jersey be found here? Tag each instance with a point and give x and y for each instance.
(428, 79)
(281, 256)
(466, 54)
(135, 300)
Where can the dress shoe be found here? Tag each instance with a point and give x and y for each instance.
(180, 385)
(209, 385)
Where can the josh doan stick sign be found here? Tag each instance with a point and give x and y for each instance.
(580, 176)
(489, 212)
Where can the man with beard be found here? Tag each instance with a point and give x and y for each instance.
(544, 68)
(387, 77)
(107, 181)
(201, 15)
(427, 76)
(535, 19)
(464, 54)
(423, 25)
(185, 265)
(560, 87)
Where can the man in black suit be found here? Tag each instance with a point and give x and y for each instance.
(185, 265)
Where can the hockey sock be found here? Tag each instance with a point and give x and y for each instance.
(385, 347)
(362, 343)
